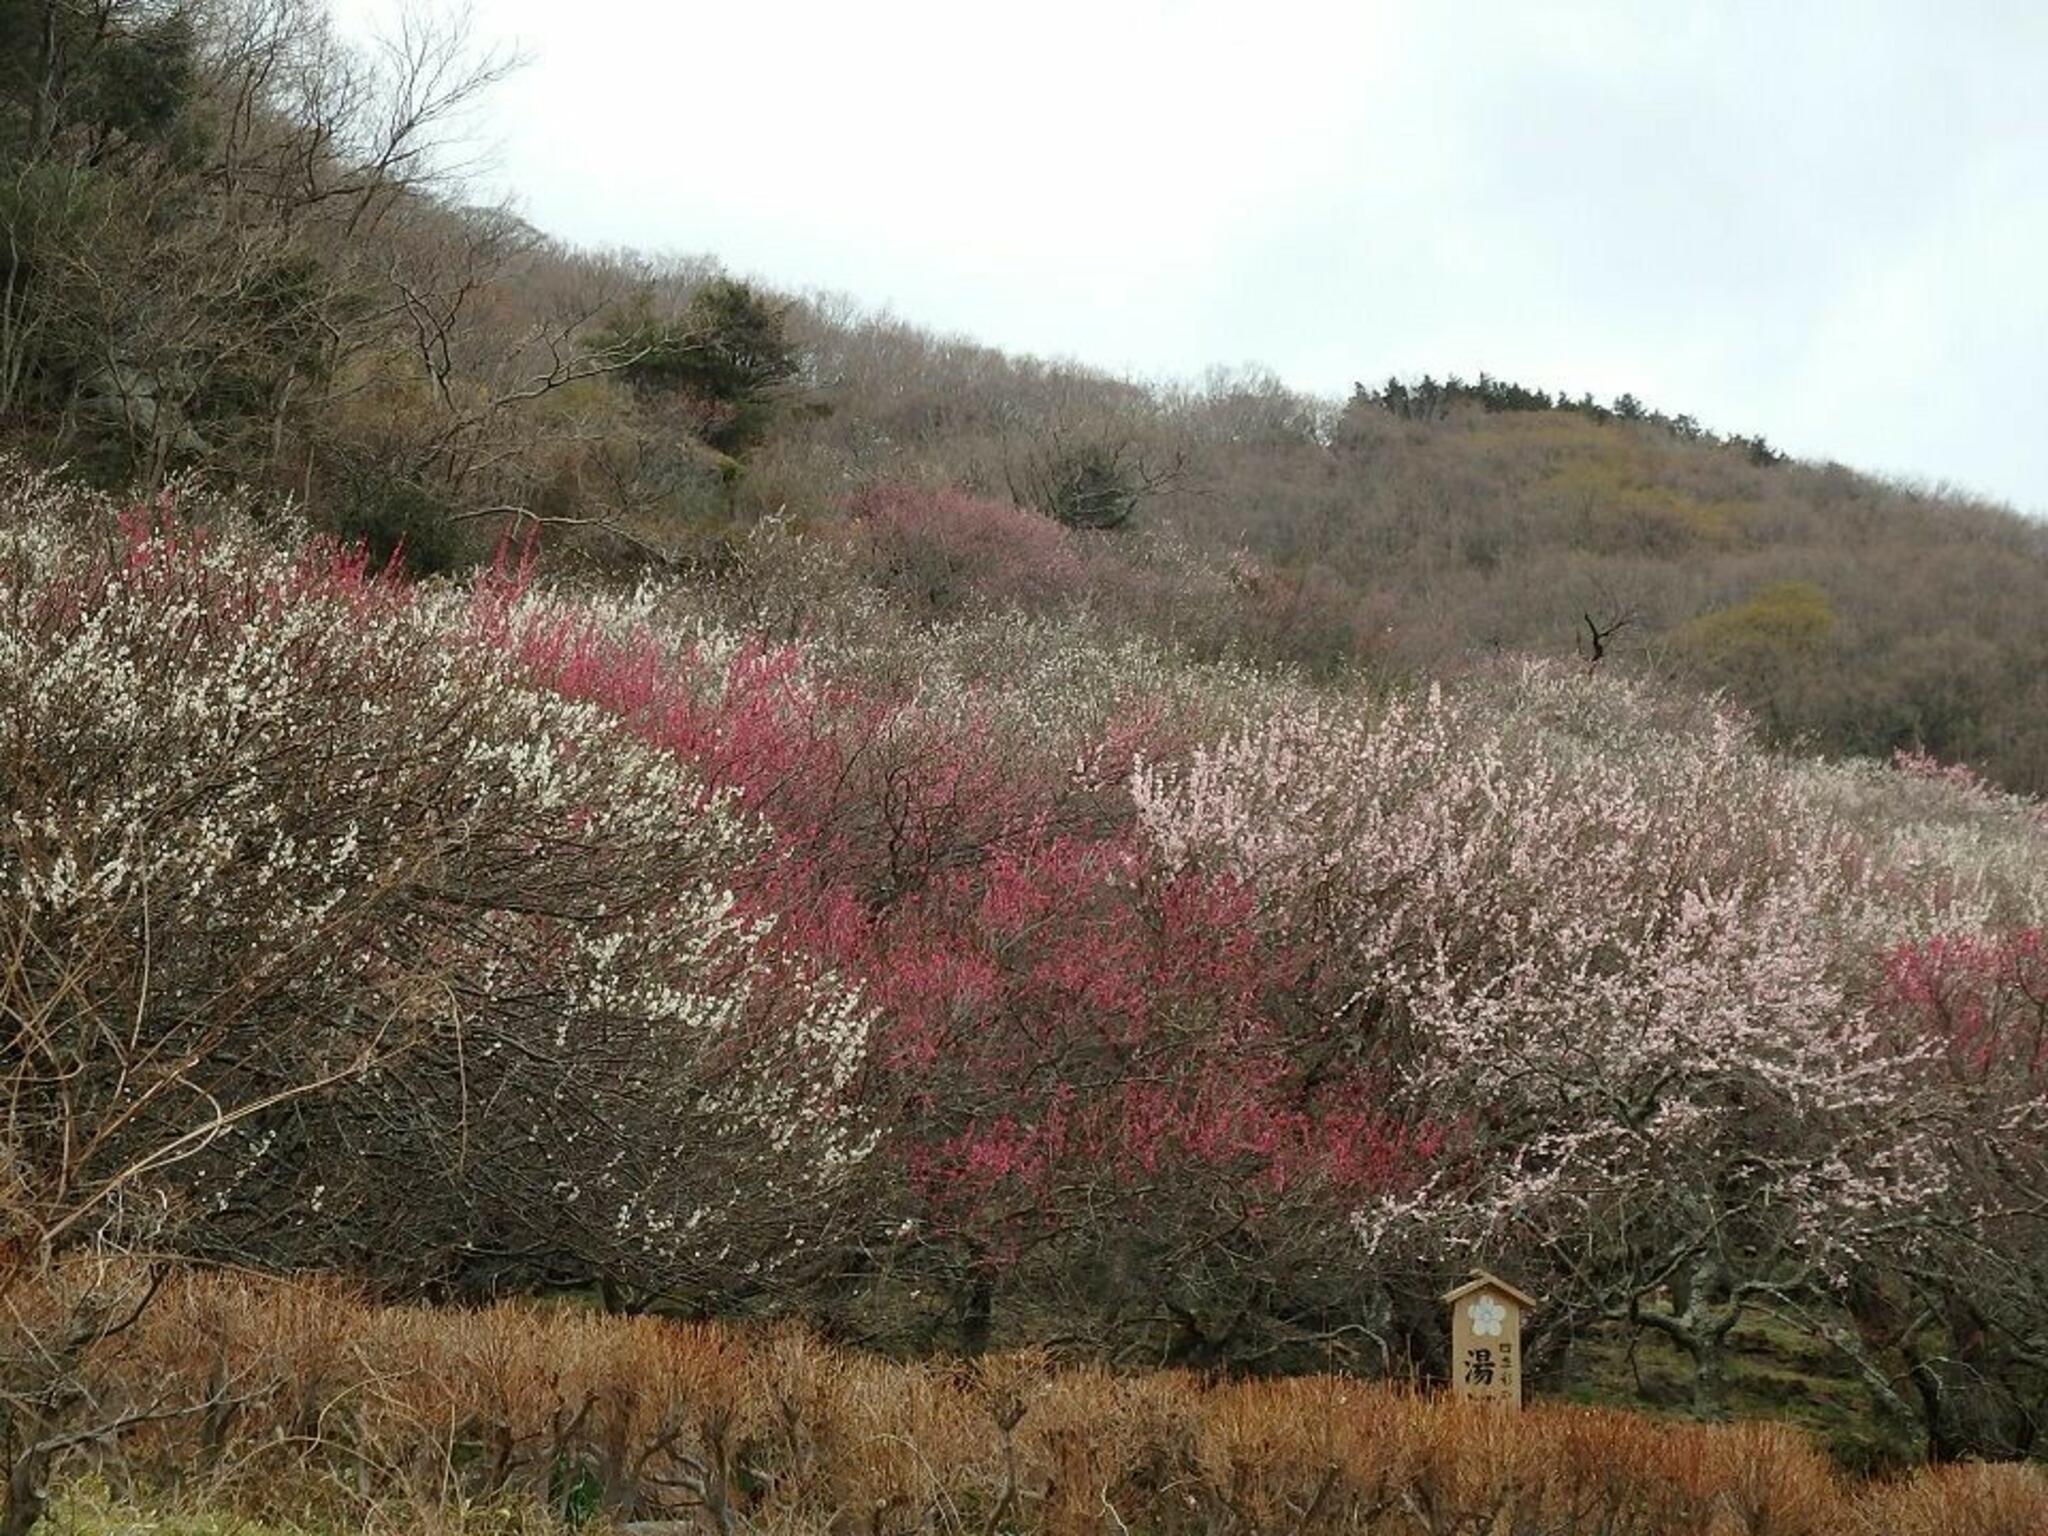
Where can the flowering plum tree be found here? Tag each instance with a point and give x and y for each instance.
(1607, 963)
(328, 939)
(328, 935)
(939, 550)
(1086, 1062)
(1961, 1306)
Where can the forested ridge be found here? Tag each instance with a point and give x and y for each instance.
(538, 783)
(235, 246)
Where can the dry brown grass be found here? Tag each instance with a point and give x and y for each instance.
(1955, 1501)
(324, 1407)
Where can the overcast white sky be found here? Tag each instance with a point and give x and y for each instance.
(1825, 220)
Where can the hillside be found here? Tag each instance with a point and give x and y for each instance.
(210, 271)
(996, 977)
(816, 871)
(1850, 614)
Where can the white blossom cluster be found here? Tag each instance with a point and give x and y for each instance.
(296, 826)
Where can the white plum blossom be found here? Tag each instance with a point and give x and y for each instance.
(312, 829)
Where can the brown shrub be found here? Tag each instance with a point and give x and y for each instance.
(304, 1399)
(1954, 1501)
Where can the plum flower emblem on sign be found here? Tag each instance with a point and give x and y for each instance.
(1487, 1317)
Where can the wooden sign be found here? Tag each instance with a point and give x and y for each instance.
(1486, 1339)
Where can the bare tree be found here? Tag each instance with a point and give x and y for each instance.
(1087, 479)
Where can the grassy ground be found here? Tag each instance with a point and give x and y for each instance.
(91, 1511)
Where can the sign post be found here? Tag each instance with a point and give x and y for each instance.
(1486, 1339)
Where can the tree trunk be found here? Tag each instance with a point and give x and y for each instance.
(977, 1316)
(1709, 1376)
(1708, 1319)
(42, 112)
(26, 1491)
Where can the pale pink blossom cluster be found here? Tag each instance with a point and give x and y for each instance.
(1614, 953)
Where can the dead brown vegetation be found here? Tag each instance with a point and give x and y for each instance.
(300, 1400)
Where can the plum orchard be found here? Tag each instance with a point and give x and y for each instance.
(1560, 972)
(1615, 960)
(1078, 1053)
(998, 971)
